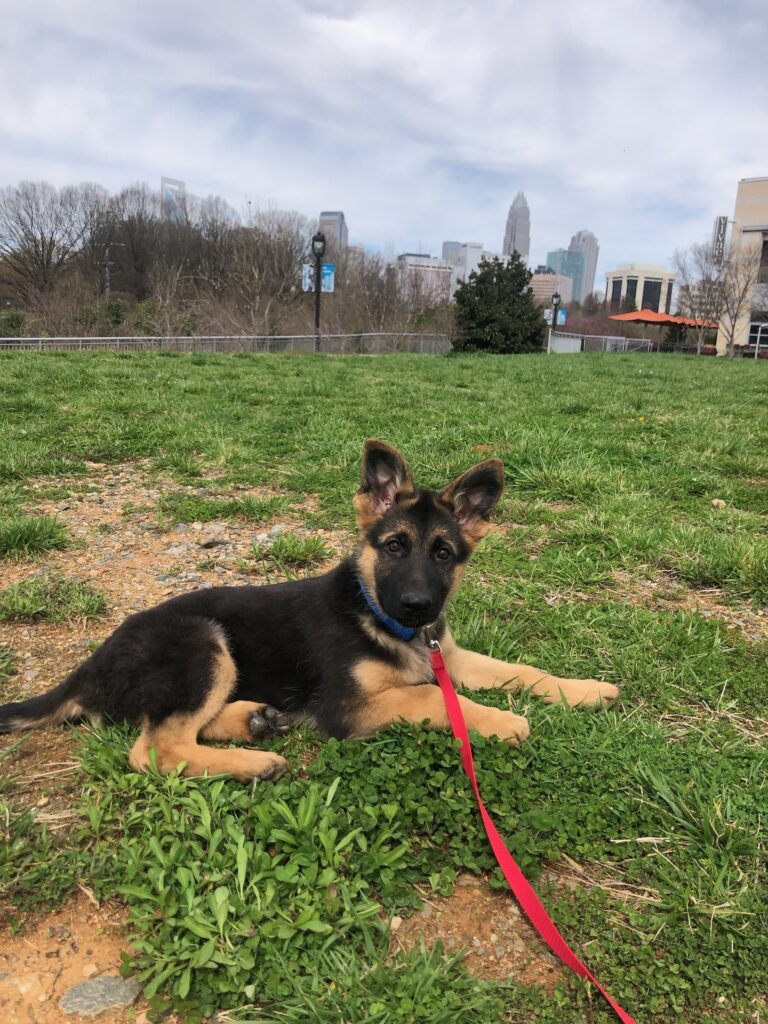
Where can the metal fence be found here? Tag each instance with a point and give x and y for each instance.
(563, 343)
(364, 344)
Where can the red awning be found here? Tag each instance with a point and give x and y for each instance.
(649, 316)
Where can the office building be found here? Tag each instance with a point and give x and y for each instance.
(586, 243)
(465, 257)
(750, 234)
(643, 285)
(569, 263)
(545, 282)
(425, 276)
(333, 225)
(517, 237)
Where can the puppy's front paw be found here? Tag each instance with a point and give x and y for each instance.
(585, 692)
(513, 729)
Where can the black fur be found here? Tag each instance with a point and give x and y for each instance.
(294, 645)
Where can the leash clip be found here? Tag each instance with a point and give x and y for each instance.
(430, 638)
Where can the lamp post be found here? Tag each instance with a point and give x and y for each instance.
(555, 307)
(318, 250)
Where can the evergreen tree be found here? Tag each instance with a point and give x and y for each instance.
(496, 310)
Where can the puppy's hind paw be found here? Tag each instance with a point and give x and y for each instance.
(268, 721)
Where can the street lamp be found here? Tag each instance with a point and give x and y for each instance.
(555, 307)
(318, 251)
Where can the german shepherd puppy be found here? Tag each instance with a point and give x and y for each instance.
(346, 649)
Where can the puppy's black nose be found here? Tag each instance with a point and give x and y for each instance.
(415, 602)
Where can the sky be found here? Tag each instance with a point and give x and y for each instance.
(421, 119)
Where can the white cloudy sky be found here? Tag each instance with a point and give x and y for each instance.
(419, 118)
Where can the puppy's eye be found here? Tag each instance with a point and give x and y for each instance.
(393, 545)
(443, 554)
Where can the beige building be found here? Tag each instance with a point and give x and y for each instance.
(646, 285)
(750, 231)
(544, 286)
(425, 276)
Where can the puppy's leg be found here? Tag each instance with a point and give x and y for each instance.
(211, 680)
(244, 721)
(479, 672)
(425, 701)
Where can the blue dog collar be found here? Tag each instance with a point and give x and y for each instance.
(404, 632)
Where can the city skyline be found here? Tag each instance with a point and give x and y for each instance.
(358, 106)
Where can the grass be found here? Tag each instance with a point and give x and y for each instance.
(273, 904)
(7, 663)
(290, 551)
(182, 508)
(50, 598)
(22, 536)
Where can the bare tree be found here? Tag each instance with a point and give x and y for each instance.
(137, 230)
(741, 273)
(700, 294)
(42, 229)
(264, 267)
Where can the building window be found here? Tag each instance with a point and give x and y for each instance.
(651, 295)
(616, 295)
(668, 303)
(631, 290)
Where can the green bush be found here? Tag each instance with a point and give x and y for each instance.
(11, 323)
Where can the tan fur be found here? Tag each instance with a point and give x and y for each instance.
(374, 677)
(424, 702)
(66, 712)
(479, 672)
(233, 722)
(366, 564)
(413, 658)
(366, 515)
(176, 740)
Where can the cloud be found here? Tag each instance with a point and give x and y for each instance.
(421, 121)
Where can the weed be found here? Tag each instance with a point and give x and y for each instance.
(23, 536)
(7, 663)
(52, 598)
(292, 551)
(184, 508)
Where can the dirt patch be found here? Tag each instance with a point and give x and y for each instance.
(499, 942)
(44, 775)
(58, 951)
(664, 592)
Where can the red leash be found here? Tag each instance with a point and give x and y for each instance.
(526, 897)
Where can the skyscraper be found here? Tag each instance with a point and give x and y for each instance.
(585, 242)
(517, 237)
(569, 263)
(334, 226)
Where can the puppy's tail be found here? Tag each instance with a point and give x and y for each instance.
(57, 705)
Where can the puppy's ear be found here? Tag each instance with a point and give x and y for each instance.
(474, 496)
(383, 472)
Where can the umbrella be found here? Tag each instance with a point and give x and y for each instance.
(650, 316)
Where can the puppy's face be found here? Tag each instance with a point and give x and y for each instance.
(414, 542)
